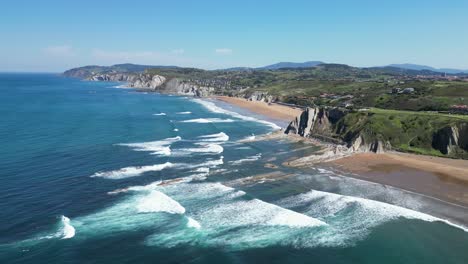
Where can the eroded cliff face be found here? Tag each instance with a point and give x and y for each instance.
(157, 82)
(133, 80)
(262, 97)
(451, 140)
(324, 124)
(188, 87)
(358, 131)
(177, 86)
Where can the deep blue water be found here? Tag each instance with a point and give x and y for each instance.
(91, 173)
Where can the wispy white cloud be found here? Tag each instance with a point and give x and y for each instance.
(224, 51)
(60, 51)
(178, 51)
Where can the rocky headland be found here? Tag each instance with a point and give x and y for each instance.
(346, 132)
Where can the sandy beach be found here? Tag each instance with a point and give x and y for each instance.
(275, 111)
(442, 178)
(447, 168)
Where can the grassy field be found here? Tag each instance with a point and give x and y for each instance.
(406, 131)
(368, 87)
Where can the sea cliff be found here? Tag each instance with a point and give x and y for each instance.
(169, 84)
(378, 131)
(349, 131)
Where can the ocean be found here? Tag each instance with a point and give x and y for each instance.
(94, 173)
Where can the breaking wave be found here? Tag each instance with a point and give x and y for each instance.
(65, 231)
(68, 231)
(159, 147)
(207, 120)
(215, 109)
(159, 202)
(131, 171)
(215, 137)
(351, 217)
(209, 148)
(160, 114)
(192, 223)
(184, 113)
(248, 159)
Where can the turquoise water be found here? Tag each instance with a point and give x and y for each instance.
(97, 174)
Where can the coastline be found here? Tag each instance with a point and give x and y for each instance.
(274, 111)
(440, 178)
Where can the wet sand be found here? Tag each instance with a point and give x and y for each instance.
(442, 178)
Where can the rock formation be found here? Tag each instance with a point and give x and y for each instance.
(451, 139)
(360, 132)
(324, 124)
(262, 97)
(178, 86)
(133, 80)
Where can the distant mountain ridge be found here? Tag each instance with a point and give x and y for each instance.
(282, 65)
(86, 71)
(409, 69)
(418, 67)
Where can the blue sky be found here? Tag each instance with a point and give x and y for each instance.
(51, 35)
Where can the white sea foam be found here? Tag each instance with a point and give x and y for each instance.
(257, 212)
(229, 218)
(131, 171)
(224, 209)
(243, 148)
(157, 201)
(121, 86)
(352, 217)
(218, 215)
(184, 113)
(207, 120)
(68, 231)
(248, 138)
(214, 108)
(209, 148)
(248, 159)
(175, 129)
(160, 114)
(159, 147)
(202, 170)
(192, 223)
(215, 137)
(211, 163)
(324, 171)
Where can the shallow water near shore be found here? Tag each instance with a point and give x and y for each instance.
(97, 174)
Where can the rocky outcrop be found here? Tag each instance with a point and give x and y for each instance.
(261, 97)
(147, 81)
(316, 121)
(324, 124)
(133, 80)
(451, 139)
(178, 86)
(360, 144)
(157, 82)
